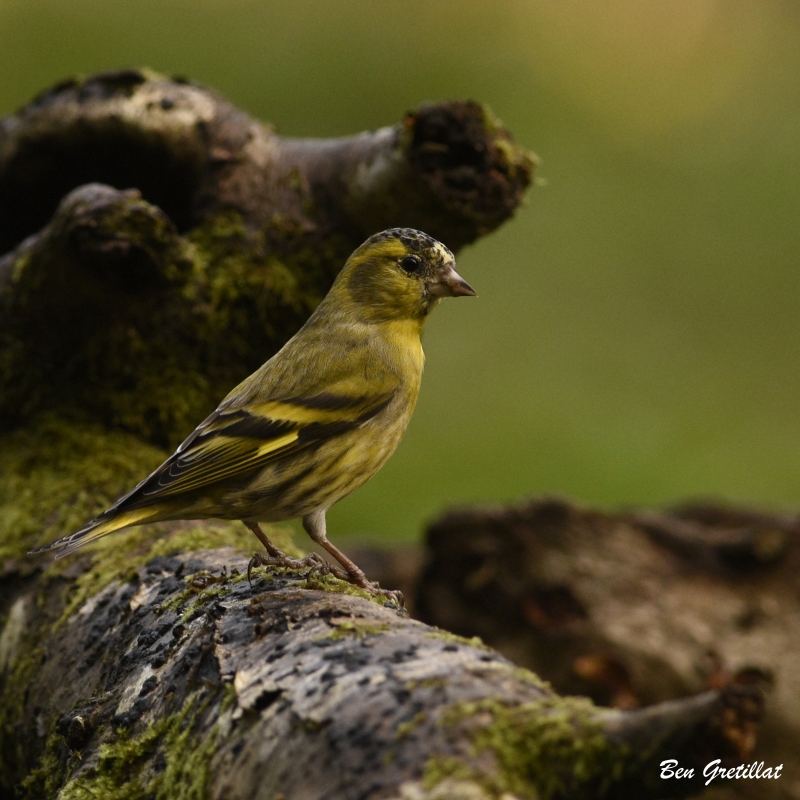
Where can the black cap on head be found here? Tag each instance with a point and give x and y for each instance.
(416, 241)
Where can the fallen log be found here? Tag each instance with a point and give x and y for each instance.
(180, 679)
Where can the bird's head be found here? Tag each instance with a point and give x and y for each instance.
(400, 273)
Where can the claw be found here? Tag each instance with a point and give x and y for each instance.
(256, 561)
(396, 596)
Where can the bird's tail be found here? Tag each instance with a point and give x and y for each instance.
(106, 523)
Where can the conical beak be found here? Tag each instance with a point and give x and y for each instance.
(450, 284)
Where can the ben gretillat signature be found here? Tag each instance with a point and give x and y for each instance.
(670, 769)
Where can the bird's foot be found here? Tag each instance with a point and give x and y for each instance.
(360, 579)
(393, 595)
(317, 565)
(313, 561)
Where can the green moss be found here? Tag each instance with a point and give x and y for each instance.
(357, 629)
(205, 596)
(72, 342)
(47, 778)
(406, 728)
(221, 587)
(446, 636)
(242, 281)
(526, 676)
(328, 583)
(125, 767)
(548, 748)
(440, 768)
(20, 265)
(57, 474)
(230, 698)
(516, 157)
(15, 685)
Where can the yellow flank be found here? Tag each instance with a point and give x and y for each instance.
(321, 416)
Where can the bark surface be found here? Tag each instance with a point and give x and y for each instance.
(180, 679)
(161, 245)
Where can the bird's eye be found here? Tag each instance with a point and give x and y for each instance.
(410, 264)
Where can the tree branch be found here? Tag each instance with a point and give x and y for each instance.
(633, 609)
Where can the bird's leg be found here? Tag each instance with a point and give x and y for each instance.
(276, 557)
(315, 528)
(262, 537)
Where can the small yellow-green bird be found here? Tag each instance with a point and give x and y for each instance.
(316, 421)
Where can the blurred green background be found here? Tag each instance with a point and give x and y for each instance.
(636, 339)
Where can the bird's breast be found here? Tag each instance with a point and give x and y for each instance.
(402, 344)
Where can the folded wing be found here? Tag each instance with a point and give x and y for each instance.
(230, 445)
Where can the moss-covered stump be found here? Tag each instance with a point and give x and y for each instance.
(179, 679)
(633, 608)
(162, 244)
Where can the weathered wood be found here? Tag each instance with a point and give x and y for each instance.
(179, 679)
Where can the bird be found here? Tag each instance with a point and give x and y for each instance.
(314, 422)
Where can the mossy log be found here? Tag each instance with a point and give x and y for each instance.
(632, 608)
(161, 245)
(181, 679)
